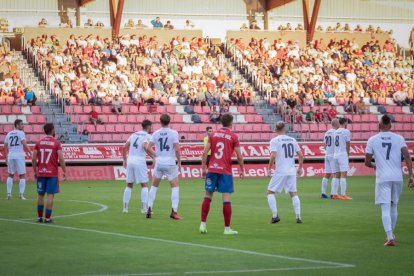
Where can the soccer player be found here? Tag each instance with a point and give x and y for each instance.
(46, 156)
(14, 146)
(209, 130)
(282, 150)
(342, 142)
(134, 153)
(329, 160)
(167, 163)
(222, 143)
(387, 149)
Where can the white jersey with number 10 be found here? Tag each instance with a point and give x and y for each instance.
(164, 140)
(285, 148)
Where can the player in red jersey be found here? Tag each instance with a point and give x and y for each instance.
(46, 155)
(222, 143)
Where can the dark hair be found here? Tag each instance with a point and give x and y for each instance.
(165, 119)
(146, 123)
(280, 126)
(17, 122)
(48, 128)
(226, 119)
(342, 120)
(208, 128)
(386, 120)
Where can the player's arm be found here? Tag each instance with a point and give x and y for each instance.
(240, 161)
(300, 158)
(26, 147)
(177, 154)
(125, 153)
(62, 163)
(348, 147)
(409, 164)
(271, 162)
(149, 150)
(368, 160)
(6, 151)
(34, 162)
(204, 159)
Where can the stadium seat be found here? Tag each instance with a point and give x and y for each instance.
(112, 119)
(101, 128)
(106, 109)
(198, 109)
(87, 109)
(133, 109)
(122, 119)
(35, 109)
(107, 138)
(5, 109)
(119, 128)
(322, 127)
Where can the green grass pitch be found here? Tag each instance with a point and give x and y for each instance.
(92, 236)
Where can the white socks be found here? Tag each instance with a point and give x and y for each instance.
(296, 205)
(144, 198)
(22, 186)
(175, 198)
(386, 219)
(271, 200)
(127, 196)
(324, 184)
(334, 186)
(152, 195)
(343, 186)
(9, 185)
(394, 215)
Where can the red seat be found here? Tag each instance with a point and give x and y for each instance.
(122, 119)
(112, 119)
(258, 119)
(249, 118)
(357, 127)
(313, 128)
(242, 109)
(407, 127)
(198, 109)
(6, 109)
(96, 138)
(37, 128)
(194, 128)
(41, 119)
(87, 109)
(10, 100)
(16, 109)
(256, 136)
(107, 138)
(109, 128)
(206, 109)
(119, 128)
(364, 118)
(250, 110)
(77, 109)
(133, 109)
(257, 128)
(91, 128)
(106, 109)
(305, 127)
(35, 109)
(171, 109)
(129, 128)
(131, 119)
(100, 128)
(240, 127)
(185, 128)
(322, 127)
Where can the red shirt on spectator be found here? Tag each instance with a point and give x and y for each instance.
(332, 112)
(94, 114)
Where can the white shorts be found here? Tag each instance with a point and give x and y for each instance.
(168, 171)
(16, 166)
(341, 163)
(387, 192)
(280, 182)
(137, 172)
(329, 164)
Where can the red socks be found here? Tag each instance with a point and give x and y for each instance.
(227, 213)
(205, 208)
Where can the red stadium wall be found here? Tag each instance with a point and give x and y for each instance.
(188, 171)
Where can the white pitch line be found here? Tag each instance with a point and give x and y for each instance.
(102, 209)
(248, 252)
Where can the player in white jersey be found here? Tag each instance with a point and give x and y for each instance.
(342, 143)
(283, 149)
(135, 151)
(14, 146)
(329, 157)
(387, 148)
(167, 164)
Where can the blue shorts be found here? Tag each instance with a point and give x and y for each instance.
(48, 185)
(223, 183)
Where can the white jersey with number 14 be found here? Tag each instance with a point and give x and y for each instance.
(164, 140)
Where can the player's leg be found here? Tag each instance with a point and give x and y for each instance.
(175, 198)
(271, 201)
(396, 190)
(152, 194)
(335, 180)
(127, 196)
(383, 198)
(291, 188)
(21, 170)
(325, 181)
(344, 167)
(40, 207)
(52, 188)
(12, 169)
(210, 186)
(144, 197)
(225, 187)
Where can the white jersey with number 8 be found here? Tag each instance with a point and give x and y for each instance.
(164, 140)
(341, 137)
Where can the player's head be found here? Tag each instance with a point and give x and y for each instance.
(49, 129)
(385, 123)
(343, 122)
(280, 127)
(227, 120)
(209, 130)
(147, 126)
(335, 123)
(165, 120)
(18, 124)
